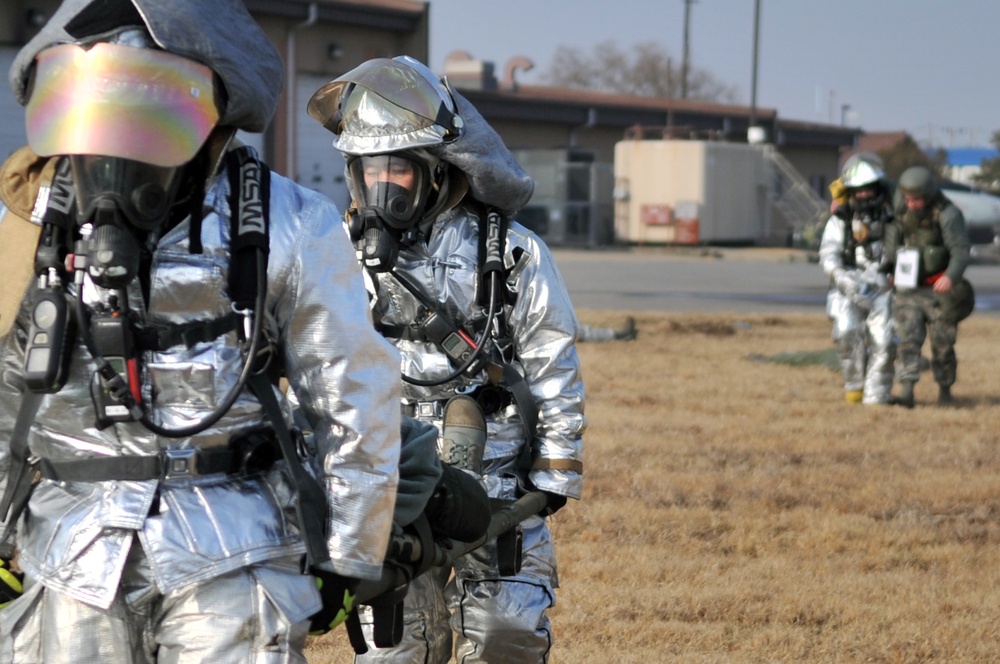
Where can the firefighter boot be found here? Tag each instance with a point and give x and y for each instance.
(854, 396)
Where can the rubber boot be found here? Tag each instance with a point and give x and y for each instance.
(944, 395)
(905, 397)
(463, 435)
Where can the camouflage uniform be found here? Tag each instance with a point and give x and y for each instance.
(938, 233)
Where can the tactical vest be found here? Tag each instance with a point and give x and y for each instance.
(925, 234)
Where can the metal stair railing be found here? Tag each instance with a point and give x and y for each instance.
(793, 197)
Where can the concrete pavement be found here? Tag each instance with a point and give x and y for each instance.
(709, 279)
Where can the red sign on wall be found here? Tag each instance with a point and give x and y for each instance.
(656, 215)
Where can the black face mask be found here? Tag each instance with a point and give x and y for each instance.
(122, 200)
(388, 212)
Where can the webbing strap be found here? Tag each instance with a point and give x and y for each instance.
(492, 234)
(140, 468)
(162, 337)
(249, 196)
(20, 477)
(527, 408)
(311, 503)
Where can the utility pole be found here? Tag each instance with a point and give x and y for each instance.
(687, 40)
(752, 134)
(844, 108)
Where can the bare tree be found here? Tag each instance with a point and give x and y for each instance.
(907, 153)
(647, 70)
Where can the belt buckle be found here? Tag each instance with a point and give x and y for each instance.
(428, 409)
(180, 464)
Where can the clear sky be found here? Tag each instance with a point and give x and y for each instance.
(929, 67)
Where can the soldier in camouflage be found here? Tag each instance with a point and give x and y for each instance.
(930, 252)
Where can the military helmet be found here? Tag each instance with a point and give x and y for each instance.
(917, 181)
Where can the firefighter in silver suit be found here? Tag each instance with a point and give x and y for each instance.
(859, 302)
(170, 521)
(431, 183)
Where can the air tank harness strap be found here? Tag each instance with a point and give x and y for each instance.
(161, 337)
(311, 503)
(21, 476)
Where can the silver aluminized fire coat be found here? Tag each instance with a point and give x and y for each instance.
(544, 328)
(859, 304)
(541, 319)
(75, 537)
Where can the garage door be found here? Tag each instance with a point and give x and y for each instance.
(320, 167)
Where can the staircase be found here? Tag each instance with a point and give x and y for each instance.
(803, 210)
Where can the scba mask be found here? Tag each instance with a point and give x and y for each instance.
(392, 192)
(141, 194)
(868, 203)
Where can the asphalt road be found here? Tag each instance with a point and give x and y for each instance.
(697, 279)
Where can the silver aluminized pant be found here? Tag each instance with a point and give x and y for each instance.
(501, 620)
(865, 337)
(228, 619)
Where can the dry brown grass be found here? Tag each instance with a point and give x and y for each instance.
(739, 511)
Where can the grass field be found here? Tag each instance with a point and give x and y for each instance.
(736, 509)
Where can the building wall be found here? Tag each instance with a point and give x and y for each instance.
(664, 185)
(320, 53)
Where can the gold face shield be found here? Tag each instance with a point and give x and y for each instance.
(120, 101)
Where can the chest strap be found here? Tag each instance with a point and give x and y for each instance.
(162, 337)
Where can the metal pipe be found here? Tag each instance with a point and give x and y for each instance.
(291, 91)
(753, 80)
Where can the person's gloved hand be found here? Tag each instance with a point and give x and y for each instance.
(338, 593)
(847, 281)
(11, 584)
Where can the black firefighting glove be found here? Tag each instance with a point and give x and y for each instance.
(339, 599)
(11, 584)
